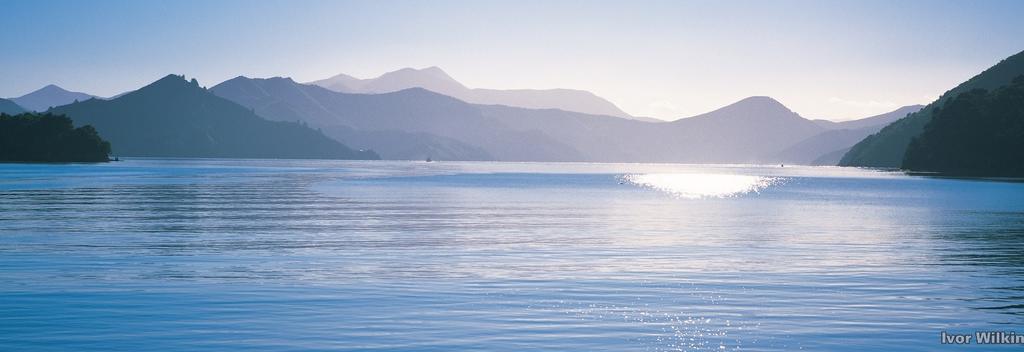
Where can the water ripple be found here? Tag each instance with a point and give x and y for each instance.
(313, 255)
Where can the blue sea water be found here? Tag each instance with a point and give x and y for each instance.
(275, 255)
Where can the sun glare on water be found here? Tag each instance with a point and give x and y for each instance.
(697, 186)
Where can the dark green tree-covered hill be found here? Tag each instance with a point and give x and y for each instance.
(173, 117)
(887, 147)
(49, 138)
(977, 133)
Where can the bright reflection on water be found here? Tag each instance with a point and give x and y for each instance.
(214, 255)
(696, 186)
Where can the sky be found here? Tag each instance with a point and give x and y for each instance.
(836, 60)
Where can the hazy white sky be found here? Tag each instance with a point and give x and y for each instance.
(666, 59)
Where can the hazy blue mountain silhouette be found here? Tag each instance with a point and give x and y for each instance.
(173, 117)
(831, 158)
(753, 126)
(399, 145)
(401, 121)
(821, 149)
(436, 80)
(9, 107)
(753, 130)
(48, 97)
(872, 121)
(887, 147)
(749, 131)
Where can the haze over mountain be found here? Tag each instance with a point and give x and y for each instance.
(173, 117)
(436, 80)
(888, 147)
(754, 125)
(401, 120)
(872, 121)
(753, 130)
(48, 97)
(9, 107)
(841, 136)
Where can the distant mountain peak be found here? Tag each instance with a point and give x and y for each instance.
(50, 89)
(754, 107)
(342, 75)
(762, 101)
(49, 96)
(276, 79)
(175, 117)
(433, 78)
(431, 70)
(170, 78)
(434, 70)
(171, 83)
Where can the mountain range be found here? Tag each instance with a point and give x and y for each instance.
(840, 137)
(48, 97)
(416, 123)
(437, 80)
(402, 115)
(173, 117)
(400, 120)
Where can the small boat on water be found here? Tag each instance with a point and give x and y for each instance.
(428, 159)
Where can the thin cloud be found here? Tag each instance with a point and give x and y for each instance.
(863, 104)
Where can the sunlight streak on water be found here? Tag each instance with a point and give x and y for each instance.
(697, 186)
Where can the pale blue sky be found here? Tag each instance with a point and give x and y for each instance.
(668, 59)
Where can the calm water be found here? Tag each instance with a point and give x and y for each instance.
(158, 255)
